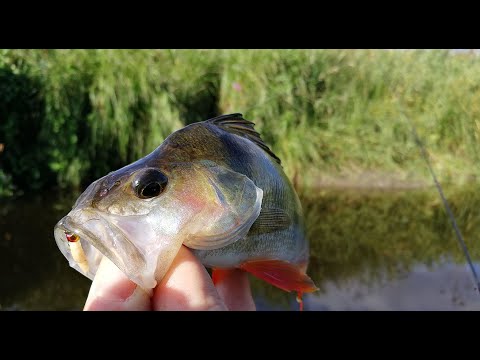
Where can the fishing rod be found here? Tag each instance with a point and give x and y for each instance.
(458, 234)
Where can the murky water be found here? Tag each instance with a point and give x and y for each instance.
(370, 250)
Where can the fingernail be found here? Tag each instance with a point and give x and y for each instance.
(138, 300)
(111, 284)
(112, 290)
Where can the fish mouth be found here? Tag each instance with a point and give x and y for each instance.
(64, 230)
(84, 237)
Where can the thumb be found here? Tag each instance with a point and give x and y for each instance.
(186, 286)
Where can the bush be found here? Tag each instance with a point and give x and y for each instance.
(68, 117)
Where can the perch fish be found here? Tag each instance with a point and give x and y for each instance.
(213, 186)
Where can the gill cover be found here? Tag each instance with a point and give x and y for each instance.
(235, 203)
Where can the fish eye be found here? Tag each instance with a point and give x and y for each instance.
(149, 183)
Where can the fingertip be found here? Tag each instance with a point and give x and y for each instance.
(234, 290)
(186, 286)
(111, 290)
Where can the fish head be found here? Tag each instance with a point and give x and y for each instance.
(140, 215)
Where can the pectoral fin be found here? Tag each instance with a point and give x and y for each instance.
(235, 205)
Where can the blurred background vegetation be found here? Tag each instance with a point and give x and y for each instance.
(68, 117)
(334, 117)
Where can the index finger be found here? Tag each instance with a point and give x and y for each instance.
(112, 290)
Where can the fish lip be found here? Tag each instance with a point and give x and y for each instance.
(97, 246)
(63, 227)
(68, 225)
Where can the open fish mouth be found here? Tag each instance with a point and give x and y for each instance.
(77, 247)
(84, 237)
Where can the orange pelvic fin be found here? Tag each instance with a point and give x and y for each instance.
(281, 274)
(300, 300)
(218, 275)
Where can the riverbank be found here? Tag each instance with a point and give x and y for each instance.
(332, 116)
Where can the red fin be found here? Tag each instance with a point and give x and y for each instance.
(218, 275)
(281, 274)
(300, 300)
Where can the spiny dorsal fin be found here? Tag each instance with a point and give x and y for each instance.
(236, 124)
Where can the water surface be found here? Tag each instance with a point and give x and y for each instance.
(370, 250)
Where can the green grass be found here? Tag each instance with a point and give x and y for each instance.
(70, 116)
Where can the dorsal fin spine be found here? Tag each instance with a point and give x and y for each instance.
(236, 124)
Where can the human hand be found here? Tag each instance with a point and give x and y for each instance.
(186, 286)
